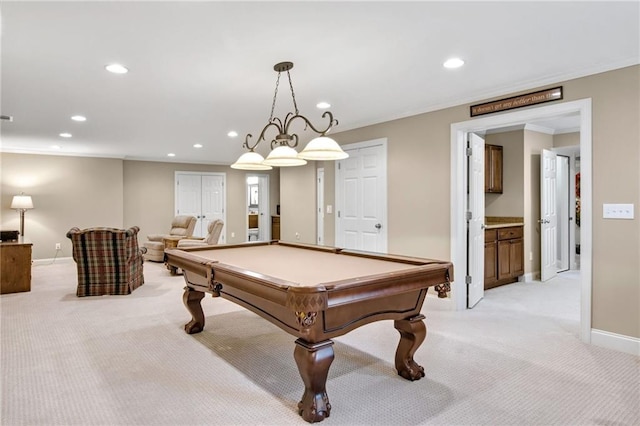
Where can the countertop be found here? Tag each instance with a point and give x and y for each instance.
(503, 225)
(496, 222)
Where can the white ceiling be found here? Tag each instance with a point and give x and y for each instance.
(201, 69)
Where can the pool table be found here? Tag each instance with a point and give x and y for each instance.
(315, 293)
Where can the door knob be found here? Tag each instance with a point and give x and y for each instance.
(378, 226)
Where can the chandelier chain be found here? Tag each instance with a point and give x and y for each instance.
(275, 95)
(293, 95)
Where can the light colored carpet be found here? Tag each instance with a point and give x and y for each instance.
(515, 359)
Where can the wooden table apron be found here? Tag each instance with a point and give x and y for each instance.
(317, 313)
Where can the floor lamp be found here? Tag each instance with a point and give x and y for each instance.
(22, 203)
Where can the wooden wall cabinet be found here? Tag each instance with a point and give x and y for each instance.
(503, 256)
(493, 169)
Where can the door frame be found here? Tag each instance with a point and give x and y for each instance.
(458, 197)
(264, 206)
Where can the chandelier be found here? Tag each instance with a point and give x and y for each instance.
(283, 153)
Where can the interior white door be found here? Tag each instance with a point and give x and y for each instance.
(361, 197)
(213, 196)
(564, 218)
(548, 216)
(475, 220)
(320, 206)
(201, 195)
(189, 198)
(264, 219)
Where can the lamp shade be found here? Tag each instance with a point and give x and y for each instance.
(21, 202)
(323, 148)
(284, 156)
(250, 161)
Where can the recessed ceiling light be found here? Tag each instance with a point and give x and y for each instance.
(453, 63)
(197, 145)
(117, 69)
(323, 105)
(79, 118)
(65, 135)
(55, 146)
(232, 134)
(171, 154)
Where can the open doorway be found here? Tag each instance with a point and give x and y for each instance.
(459, 207)
(258, 220)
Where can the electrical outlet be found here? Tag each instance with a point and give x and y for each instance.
(58, 247)
(297, 235)
(233, 235)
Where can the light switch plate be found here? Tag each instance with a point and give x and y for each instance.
(617, 211)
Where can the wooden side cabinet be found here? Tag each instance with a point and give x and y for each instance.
(493, 169)
(490, 257)
(15, 266)
(504, 256)
(275, 227)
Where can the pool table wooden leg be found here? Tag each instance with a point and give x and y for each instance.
(412, 334)
(314, 360)
(191, 299)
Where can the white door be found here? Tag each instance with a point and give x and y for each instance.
(475, 220)
(189, 198)
(201, 195)
(564, 218)
(264, 219)
(213, 196)
(548, 216)
(320, 207)
(361, 197)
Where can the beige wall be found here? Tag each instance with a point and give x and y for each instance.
(87, 192)
(298, 204)
(66, 192)
(566, 139)
(149, 196)
(419, 197)
(511, 201)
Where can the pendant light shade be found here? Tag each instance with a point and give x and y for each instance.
(323, 148)
(251, 161)
(284, 156)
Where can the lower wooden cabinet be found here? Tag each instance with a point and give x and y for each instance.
(503, 256)
(275, 227)
(15, 266)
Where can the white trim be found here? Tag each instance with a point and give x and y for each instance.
(320, 206)
(40, 262)
(458, 206)
(617, 342)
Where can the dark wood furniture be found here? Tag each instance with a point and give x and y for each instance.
(493, 169)
(315, 294)
(15, 266)
(503, 255)
(275, 227)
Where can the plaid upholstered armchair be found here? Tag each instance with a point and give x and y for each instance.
(109, 260)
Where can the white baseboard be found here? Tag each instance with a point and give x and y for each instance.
(38, 262)
(618, 342)
(530, 276)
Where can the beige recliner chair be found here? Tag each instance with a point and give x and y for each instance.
(181, 226)
(214, 230)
